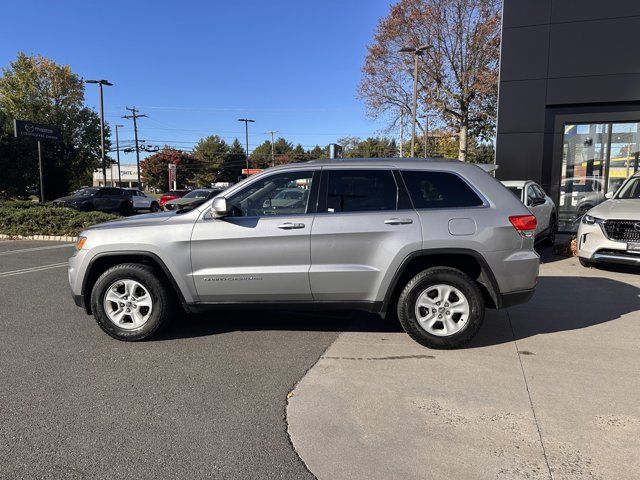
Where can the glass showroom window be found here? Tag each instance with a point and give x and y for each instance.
(596, 159)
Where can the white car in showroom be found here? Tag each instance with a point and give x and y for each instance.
(540, 204)
(610, 232)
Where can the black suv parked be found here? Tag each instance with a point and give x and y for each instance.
(106, 199)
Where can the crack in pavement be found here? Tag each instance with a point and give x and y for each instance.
(391, 357)
(526, 384)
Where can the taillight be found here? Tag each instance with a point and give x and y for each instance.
(524, 224)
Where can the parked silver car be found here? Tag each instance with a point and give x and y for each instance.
(540, 204)
(431, 241)
(610, 232)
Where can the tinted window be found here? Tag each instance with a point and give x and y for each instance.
(263, 197)
(517, 191)
(439, 190)
(361, 191)
(531, 195)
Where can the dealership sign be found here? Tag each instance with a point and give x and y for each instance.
(37, 131)
(251, 171)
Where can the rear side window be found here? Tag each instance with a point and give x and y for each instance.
(361, 191)
(439, 190)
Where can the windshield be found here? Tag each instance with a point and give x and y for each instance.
(631, 189)
(85, 192)
(197, 194)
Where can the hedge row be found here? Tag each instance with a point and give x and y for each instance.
(30, 218)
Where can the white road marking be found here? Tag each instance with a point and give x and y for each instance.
(34, 249)
(32, 269)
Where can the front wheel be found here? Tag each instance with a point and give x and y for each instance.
(154, 207)
(130, 303)
(441, 307)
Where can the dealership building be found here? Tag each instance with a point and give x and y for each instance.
(128, 175)
(569, 98)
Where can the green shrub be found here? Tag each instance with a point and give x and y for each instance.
(29, 218)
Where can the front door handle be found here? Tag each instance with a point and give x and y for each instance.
(398, 221)
(290, 225)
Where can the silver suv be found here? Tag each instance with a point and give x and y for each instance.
(431, 241)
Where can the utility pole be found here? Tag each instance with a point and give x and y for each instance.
(417, 52)
(401, 130)
(134, 115)
(104, 165)
(426, 134)
(118, 155)
(246, 134)
(273, 157)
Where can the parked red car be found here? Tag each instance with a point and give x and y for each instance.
(170, 195)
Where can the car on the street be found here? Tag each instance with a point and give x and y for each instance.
(610, 232)
(104, 199)
(431, 241)
(192, 199)
(170, 195)
(141, 201)
(540, 204)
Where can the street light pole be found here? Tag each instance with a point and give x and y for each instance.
(426, 134)
(118, 155)
(273, 157)
(417, 52)
(246, 135)
(104, 166)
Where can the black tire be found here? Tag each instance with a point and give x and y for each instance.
(154, 207)
(586, 263)
(126, 209)
(161, 311)
(434, 276)
(550, 240)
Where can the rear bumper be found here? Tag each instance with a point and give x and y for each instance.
(510, 299)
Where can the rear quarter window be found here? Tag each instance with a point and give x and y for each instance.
(439, 190)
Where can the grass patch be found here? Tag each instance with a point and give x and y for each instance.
(18, 217)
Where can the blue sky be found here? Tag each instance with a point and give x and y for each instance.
(196, 67)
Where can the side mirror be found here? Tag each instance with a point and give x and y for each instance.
(219, 207)
(609, 195)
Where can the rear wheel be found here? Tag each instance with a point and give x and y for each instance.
(553, 229)
(441, 307)
(130, 303)
(154, 207)
(87, 207)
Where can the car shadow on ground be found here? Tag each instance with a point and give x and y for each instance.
(236, 320)
(560, 304)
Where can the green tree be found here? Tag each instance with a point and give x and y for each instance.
(155, 168)
(210, 154)
(37, 89)
(234, 162)
(318, 152)
(372, 147)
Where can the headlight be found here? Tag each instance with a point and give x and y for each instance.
(590, 220)
(80, 242)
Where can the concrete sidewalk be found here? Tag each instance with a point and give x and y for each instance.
(547, 388)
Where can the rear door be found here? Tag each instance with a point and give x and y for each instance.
(363, 229)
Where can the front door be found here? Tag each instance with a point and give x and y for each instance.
(261, 251)
(360, 234)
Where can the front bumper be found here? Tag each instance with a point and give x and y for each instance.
(595, 246)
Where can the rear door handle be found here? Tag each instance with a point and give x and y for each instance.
(398, 221)
(290, 225)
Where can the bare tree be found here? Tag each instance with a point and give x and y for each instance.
(458, 76)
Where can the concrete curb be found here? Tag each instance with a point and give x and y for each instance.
(51, 238)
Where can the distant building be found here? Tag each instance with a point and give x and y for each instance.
(129, 176)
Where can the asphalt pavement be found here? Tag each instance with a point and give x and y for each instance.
(206, 400)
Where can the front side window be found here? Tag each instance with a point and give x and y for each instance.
(361, 191)
(281, 194)
(439, 190)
